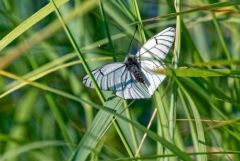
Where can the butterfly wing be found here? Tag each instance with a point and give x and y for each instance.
(113, 77)
(150, 56)
(158, 46)
(136, 90)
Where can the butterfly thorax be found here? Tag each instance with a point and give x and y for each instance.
(134, 67)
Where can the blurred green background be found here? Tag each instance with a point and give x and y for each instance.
(47, 47)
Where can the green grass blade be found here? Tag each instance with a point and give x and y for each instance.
(197, 72)
(100, 125)
(43, 34)
(107, 30)
(59, 119)
(199, 137)
(81, 57)
(28, 23)
(29, 147)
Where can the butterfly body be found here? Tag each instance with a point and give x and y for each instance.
(134, 67)
(134, 77)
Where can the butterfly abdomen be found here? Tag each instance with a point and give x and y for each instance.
(139, 76)
(134, 67)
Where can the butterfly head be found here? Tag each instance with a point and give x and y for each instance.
(130, 58)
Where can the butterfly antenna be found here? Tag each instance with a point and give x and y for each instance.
(132, 38)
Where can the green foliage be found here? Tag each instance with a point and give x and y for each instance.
(46, 113)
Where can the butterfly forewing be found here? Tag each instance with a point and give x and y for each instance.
(158, 46)
(112, 77)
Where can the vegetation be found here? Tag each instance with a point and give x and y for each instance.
(46, 113)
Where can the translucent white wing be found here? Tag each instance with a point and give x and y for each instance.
(158, 46)
(153, 80)
(135, 91)
(139, 90)
(111, 77)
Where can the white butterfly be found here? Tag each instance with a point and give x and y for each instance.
(133, 78)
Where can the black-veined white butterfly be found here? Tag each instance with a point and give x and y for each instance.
(133, 78)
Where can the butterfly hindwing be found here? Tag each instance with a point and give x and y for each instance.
(136, 91)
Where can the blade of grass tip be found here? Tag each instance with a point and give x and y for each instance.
(59, 119)
(81, 57)
(107, 30)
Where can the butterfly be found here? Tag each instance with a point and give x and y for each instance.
(134, 78)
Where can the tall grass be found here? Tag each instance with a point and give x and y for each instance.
(46, 113)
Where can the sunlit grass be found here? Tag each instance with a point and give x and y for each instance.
(46, 113)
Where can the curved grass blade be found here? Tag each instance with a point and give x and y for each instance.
(28, 23)
(29, 147)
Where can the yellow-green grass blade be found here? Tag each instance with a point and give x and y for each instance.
(197, 9)
(15, 52)
(14, 153)
(59, 119)
(200, 136)
(28, 23)
(197, 72)
(78, 51)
